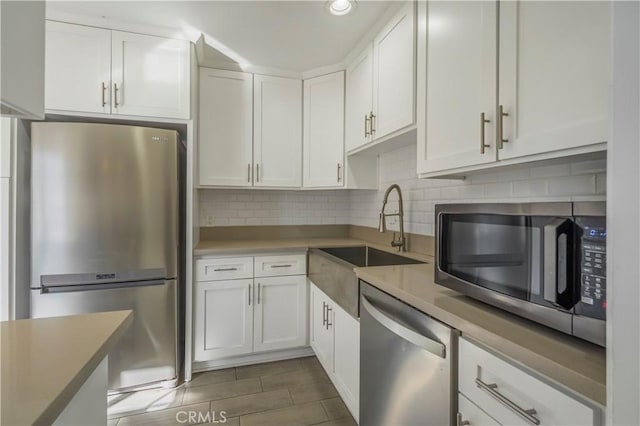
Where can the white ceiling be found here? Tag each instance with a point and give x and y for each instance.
(288, 35)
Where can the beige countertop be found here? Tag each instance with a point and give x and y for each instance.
(570, 362)
(44, 362)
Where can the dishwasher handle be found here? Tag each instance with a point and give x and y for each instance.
(409, 335)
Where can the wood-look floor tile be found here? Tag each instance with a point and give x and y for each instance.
(212, 377)
(314, 391)
(335, 408)
(253, 403)
(310, 363)
(267, 369)
(296, 415)
(171, 416)
(293, 379)
(127, 404)
(221, 390)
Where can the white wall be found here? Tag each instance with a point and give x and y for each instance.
(228, 207)
(623, 245)
(585, 180)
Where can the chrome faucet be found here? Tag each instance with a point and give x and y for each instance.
(382, 227)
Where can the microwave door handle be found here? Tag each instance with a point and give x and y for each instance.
(558, 285)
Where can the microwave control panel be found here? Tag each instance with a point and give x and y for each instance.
(592, 266)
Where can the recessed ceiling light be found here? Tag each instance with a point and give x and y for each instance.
(340, 7)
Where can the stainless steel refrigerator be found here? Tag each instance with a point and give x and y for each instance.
(105, 236)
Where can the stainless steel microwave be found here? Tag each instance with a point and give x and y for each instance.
(542, 261)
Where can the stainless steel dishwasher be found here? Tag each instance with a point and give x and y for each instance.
(407, 373)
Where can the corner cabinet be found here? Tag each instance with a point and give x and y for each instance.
(323, 135)
(250, 130)
(100, 71)
(524, 81)
(381, 97)
(335, 339)
(249, 305)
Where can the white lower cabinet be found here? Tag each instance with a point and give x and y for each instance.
(224, 319)
(335, 339)
(280, 313)
(248, 314)
(510, 395)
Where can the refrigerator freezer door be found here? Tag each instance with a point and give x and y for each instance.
(146, 353)
(104, 199)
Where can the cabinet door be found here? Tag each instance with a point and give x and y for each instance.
(280, 313)
(347, 359)
(359, 100)
(394, 74)
(277, 131)
(223, 319)
(150, 76)
(226, 120)
(324, 131)
(77, 68)
(459, 60)
(554, 75)
(321, 332)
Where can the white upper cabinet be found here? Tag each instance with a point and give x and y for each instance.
(458, 55)
(394, 74)
(22, 35)
(78, 68)
(323, 134)
(381, 83)
(539, 72)
(226, 119)
(150, 75)
(359, 100)
(277, 131)
(554, 75)
(96, 70)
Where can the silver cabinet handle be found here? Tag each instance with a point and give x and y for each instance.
(282, 266)
(372, 123)
(258, 172)
(367, 133)
(249, 173)
(324, 314)
(115, 94)
(328, 310)
(339, 174)
(483, 121)
(249, 293)
(491, 389)
(460, 422)
(258, 293)
(501, 116)
(407, 334)
(104, 99)
(225, 269)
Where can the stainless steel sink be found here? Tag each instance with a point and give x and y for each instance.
(368, 256)
(331, 270)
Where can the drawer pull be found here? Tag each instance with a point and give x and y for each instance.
(281, 266)
(225, 269)
(491, 389)
(460, 422)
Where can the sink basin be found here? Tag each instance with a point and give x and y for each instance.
(368, 256)
(331, 270)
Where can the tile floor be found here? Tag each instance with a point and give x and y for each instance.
(283, 393)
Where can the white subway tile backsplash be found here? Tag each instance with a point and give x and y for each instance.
(577, 181)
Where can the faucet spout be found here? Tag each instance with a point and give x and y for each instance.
(382, 227)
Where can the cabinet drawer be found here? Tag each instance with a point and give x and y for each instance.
(287, 264)
(506, 392)
(224, 268)
(469, 412)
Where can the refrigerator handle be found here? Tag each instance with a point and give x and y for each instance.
(106, 286)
